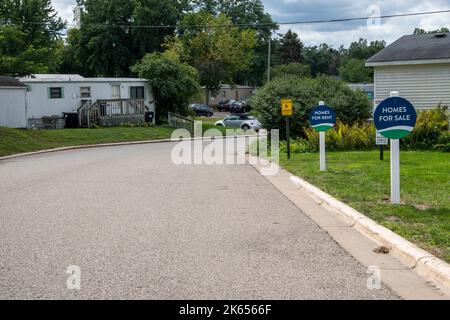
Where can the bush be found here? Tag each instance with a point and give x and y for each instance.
(351, 106)
(431, 130)
(298, 145)
(443, 142)
(359, 136)
(173, 83)
(431, 133)
(291, 69)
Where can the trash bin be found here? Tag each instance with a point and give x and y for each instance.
(149, 116)
(72, 120)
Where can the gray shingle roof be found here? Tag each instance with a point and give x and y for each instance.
(415, 47)
(10, 82)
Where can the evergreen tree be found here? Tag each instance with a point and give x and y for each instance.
(290, 49)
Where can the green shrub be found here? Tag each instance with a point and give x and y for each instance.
(443, 142)
(431, 129)
(298, 145)
(359, 136)
(351, 106)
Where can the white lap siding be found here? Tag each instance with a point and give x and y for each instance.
(424, 85)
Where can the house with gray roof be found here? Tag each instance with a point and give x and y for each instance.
(417, 66)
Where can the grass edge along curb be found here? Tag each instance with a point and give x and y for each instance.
(424, 263)
(114, 144)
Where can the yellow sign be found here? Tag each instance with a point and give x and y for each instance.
(286, 108)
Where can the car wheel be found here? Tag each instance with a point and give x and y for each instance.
(246, 127)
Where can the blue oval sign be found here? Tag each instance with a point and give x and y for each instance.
(395, 118)
(322, 118)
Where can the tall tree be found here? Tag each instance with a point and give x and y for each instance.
(361, 49)
(245, 14)
(17, 58)
(30, 34)
(215, 47)
(355, 71)
(173, 83)
(37, 19)
(290, 49)
(323, 59)
(112, 37)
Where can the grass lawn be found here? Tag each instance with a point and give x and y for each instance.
(14, 141)
(362, 181)
(208, 120)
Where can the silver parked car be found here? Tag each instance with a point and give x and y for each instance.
(240, 121)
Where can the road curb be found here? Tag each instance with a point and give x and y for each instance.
(424, 263)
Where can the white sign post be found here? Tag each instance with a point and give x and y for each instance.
(395, 165)
(322, 118)
(323, 156)
(395, 118)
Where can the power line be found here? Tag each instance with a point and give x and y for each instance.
(254, 25)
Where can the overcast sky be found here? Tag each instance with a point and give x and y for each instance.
(340, 33)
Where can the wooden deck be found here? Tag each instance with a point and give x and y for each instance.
(112, 113)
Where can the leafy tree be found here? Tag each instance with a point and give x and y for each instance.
(423, 31)
(361, 49)
(245, 14)
(290, 49)
(37, 19)
(291, 69)
(29, 36)
(173, 83)
(17, 58)
(355, 71)
(351, 106)
(217, 48)
(323, 59)
(110, 39)
(252, 13)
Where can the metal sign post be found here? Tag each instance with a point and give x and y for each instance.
(395, 118)
(322, 119)
(287, 111)
(381, 141)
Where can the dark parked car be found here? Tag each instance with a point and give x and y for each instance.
(225, 105)
(202, 110)
(239, 107)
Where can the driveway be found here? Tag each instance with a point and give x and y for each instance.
(140, 227)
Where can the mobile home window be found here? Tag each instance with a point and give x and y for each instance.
(85, 92)
(137, 92)
(55, 93)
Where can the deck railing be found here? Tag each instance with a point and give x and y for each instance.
(179, 122)
(112, 112)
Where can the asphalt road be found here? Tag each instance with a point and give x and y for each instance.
(140, 227)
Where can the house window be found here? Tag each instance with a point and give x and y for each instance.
(137, 92)
(85, 92)
(55, 93)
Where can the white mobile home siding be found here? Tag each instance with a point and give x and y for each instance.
(40, 105)
(424, 85)
(12, 107)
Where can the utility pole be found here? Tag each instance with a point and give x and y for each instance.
(269, 57)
